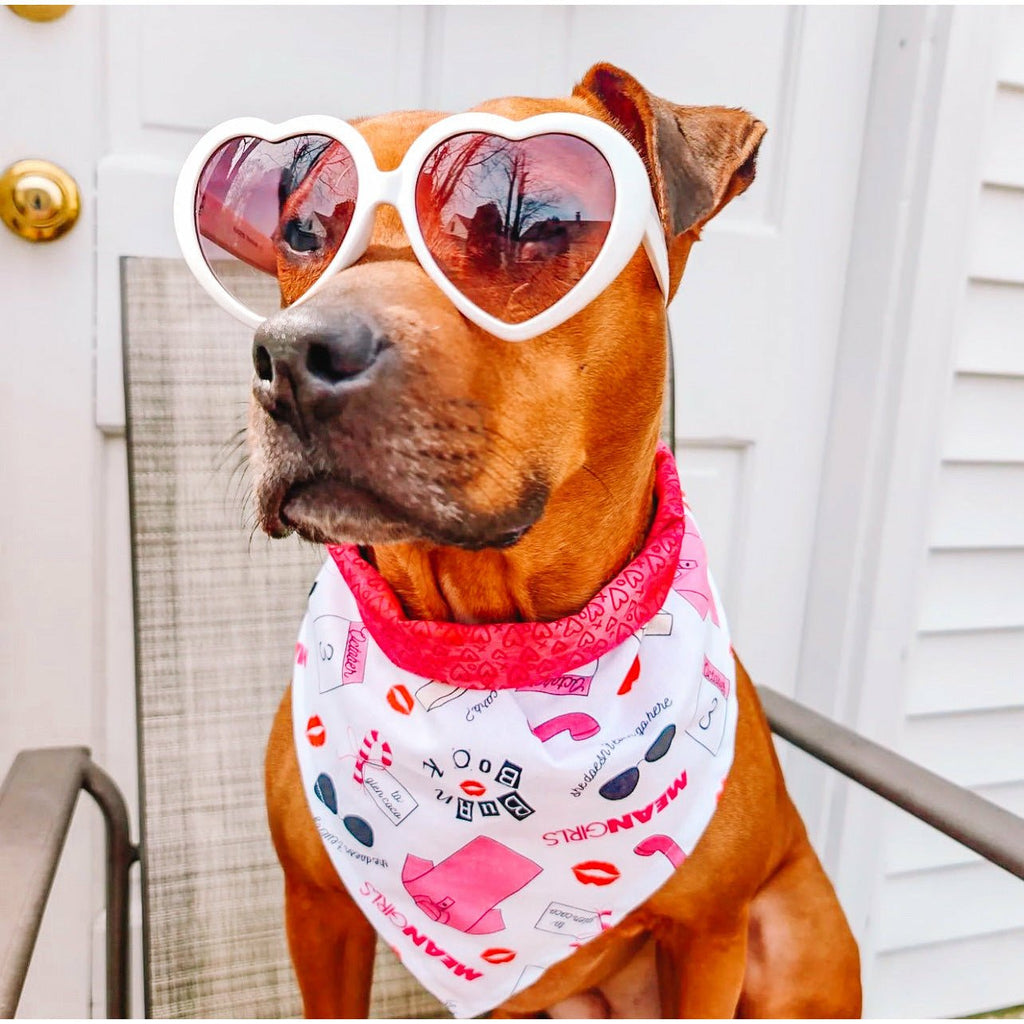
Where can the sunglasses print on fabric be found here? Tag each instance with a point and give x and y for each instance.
(620, 786)
(519, 223)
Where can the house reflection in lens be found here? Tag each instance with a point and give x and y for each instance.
(514, 225)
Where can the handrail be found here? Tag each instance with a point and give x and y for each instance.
(978, 823)
(37, 801)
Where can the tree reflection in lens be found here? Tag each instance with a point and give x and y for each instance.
(514, 225)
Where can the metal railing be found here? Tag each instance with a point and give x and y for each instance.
(38, 799)
(978, 823)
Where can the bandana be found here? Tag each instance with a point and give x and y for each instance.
(494, 796)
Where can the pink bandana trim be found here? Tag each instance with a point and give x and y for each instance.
(516, 654)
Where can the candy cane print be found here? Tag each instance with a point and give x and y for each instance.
(366, 750)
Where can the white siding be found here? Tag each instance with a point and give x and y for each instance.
(949, 933)
(950, 975)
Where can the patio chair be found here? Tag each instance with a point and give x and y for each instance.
(217, 608)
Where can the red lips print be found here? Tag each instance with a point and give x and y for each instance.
(472, 788)
(497, 955)
(631, 677)
(595, 872)
(400, 699)
(315, 732)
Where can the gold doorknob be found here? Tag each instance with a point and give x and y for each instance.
(40, 12)
(38, 200)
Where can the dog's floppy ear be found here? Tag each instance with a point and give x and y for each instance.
(698, 157)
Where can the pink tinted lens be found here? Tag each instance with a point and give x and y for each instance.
(514, 225)
(271, 215)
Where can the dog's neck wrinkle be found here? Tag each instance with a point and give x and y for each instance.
(543, 578)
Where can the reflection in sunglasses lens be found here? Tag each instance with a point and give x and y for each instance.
(621, 785)
(659, 748)
(270, 215)
(514, 225)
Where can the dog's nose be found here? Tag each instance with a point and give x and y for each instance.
(306, 362)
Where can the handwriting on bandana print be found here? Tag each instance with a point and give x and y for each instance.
(609, 826)
(341, 646)
(603, 754)
(388, 793)
(562, 919)
(606, 749)
(661, 705)
(381, 903)
(331, 839)
(481, 706)
(716, 678)
(354, 663)
(562, 686)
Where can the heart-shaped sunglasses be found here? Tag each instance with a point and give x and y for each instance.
(520, 223)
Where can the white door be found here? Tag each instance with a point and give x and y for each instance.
(49, 453)
(120, 94)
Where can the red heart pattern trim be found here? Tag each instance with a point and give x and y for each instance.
(514, 654)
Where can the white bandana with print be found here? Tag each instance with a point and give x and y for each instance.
(488, 832)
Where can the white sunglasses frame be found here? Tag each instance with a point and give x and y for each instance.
(635, 219)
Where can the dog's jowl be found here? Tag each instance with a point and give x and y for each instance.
(517, 743)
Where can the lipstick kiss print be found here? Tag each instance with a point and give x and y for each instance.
(595, 872)
(498, 955)
(400, 699)
(315, 731)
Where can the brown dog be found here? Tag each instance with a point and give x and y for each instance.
(541, 448)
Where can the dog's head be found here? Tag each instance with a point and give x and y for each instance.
(382, 414)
